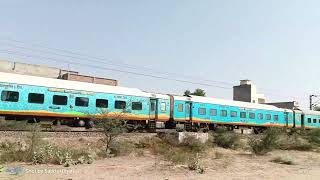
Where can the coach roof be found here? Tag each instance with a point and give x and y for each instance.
(234, 103)
(69, 85)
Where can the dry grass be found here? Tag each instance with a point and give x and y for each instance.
(283, 160)
(167, 145)
(15, 125)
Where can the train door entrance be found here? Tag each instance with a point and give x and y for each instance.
(294, 119)
(188, 116)
(188, 112)
(286, 118)
(153, 115)
(302, 121)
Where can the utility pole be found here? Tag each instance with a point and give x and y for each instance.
(311, 101)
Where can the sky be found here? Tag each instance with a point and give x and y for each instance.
(208, 44)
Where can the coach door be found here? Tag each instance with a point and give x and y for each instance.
(153, 109)
(188, 111)
(302, 121)
(286, 118)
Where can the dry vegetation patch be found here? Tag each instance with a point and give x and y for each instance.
(283, 160)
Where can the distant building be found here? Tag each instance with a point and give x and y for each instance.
(50, 72)
(247, 92)
(31, 69)
(286, 105)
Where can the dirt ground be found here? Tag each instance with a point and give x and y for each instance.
(218, 163)
(229, 165)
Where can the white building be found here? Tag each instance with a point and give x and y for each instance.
(247, 92)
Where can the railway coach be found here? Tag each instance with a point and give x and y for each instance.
(203, 112)
(78, 103)
(310, 119)
(43, 99)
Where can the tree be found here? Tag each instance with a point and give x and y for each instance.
(197, 92)
(317, 108)
(113, 125)
(187, 93)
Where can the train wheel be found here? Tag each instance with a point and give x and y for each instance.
(89, 124)
(258, 130)
(81, 123)
(57, 122)
(33, 120)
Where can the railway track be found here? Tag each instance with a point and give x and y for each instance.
(51, 131)
(13, 133)
(20, 134)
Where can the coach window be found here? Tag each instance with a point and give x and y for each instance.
(243, 115)
(102, 103)
(11, 96)
(268, 116)
(276, 117)
(252, 115)
(213, 112)
(234, 113)
(163, 107)
(136, 106)
(314, 120)
(120, 105)
(60, 100)
(224, 113)
(260, 116)
(82, 101)
(180, 107)
(202, 111)
(309, 120)
(36, 98)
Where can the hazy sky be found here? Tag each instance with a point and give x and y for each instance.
(275, 43)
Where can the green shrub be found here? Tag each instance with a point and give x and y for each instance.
(295, 142)
(43, 153)
(167, 145)
(47, 153)
(266, 143)
(193, 144)
(121, 148)
(11, 152)
(313, 136)
(225, 139)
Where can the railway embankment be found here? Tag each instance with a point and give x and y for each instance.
(274, 152)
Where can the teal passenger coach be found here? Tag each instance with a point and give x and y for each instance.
(39, 99)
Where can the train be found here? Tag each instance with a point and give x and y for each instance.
(40, 99)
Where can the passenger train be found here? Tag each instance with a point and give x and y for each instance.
(44, 99)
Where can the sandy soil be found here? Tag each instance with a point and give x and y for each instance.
(219, 163)
(229, 165)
